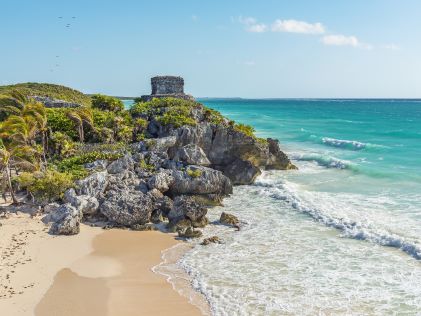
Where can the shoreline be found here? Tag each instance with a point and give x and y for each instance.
(115, 269)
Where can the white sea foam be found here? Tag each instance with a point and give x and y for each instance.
(287, 259)
(350, 228)
(324, 160)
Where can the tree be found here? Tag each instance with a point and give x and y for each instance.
(14, 157)
(107, 103)
(81, 116)
(11, 104)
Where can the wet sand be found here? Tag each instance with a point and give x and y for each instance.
(97, 272)
(117, 279)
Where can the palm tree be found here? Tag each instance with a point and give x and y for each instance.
(11, 103)
(81, 116)
(35, 112)
(14, 157)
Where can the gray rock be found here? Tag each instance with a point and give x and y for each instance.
(127, 207)
(193, 155)
(66, 220)
(241, 172)
(162, 144)
(97, 165)
(86, 204)
(229, 219)
(200, 180)
(92, 185)
(190, 233)
(121, 164)
(50, 208)
(161, 181)
(186, 207)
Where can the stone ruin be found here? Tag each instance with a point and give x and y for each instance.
(167, 87)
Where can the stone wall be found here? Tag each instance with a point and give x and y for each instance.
(167, 85)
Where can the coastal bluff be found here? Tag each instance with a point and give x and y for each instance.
(181, 158)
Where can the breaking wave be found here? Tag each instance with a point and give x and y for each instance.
(325, 161)
(349, 228)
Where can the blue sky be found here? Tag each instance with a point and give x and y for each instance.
(265, 48)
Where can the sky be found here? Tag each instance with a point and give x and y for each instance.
(222, 48)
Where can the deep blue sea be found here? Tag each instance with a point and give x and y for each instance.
(339, 236)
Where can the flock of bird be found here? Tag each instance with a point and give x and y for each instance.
(67, 26)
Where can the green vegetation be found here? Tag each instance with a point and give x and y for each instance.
(47, 186)
(48, 90)
(144, 165)
(46, 148)
(194, 173)
(167, 111)
(74, 165)
(106, 103)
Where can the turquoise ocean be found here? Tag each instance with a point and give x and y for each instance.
(339, 236)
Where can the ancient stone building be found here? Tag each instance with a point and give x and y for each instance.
(167, 86)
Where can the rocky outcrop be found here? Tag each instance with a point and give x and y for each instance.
(161, 181)
(92, 185)
(186, 207)
(121, 164)
(192, 155)
(86, 204)
(66, 220)
(55, 103)
(126, 207)
(200, 180)
(229, 219)
(241, 172)
(211, 240)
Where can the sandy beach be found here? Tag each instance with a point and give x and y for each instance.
(97, 272)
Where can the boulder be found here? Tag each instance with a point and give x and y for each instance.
(200, 180)
(126, 207)
(277, 159)
(190, 233)
(186, 207)
(229, 219)
(92, 185)
(86, 204)
(192, 154)
(66, 220)
(121, 164)
(213, 239)
(241, 172)
(161, 181)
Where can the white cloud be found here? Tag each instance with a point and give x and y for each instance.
(249, 63)
(294, 26)
(342, 40)
(252, 25)
(257, 28)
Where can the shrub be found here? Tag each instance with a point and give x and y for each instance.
(194, 173)
(62, 144)
(111, 126)
(213, 116)
(46, 186)
(177, 116)
(57, 121)
(107, 103)
(144, 165)
(74, 165)
(245, 129)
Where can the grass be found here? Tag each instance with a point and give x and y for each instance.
(49, 90)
